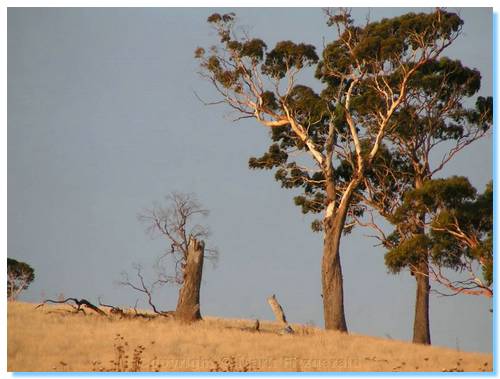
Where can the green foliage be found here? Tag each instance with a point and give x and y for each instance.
(434, 195)
(390, 172)
(410, 252)
(474, 217)
(435, 113)
(459, 224)
(457, 77)
(384, 42)
(383, 50)
(273, 158)
(435, 109)
(482, 115)
(287, 55)
(19, 277)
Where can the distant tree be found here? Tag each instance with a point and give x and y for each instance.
(325, 142)
(19, 277)
(176, 221)
(460, 235)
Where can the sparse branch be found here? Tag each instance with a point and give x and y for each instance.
(459, 146)
(380, 235)
(470, 286)
(141, 287)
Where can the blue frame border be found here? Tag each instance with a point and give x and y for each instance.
(495, 191)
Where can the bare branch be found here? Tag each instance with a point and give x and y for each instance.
(176, 221)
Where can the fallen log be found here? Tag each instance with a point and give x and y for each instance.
(114, 310)
(78, 303)
(117, 311)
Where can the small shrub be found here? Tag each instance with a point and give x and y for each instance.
(123, 362)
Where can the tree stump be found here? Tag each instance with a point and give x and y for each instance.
(279, 314)
(188, 304)
(277, 309)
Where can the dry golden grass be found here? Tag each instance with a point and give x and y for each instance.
(51, 339)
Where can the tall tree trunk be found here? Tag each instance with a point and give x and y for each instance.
(421, 326)
(331, 275)
(188, 304)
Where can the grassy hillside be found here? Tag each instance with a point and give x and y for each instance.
(52, 339)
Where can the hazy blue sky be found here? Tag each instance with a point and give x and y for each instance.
(102, 121)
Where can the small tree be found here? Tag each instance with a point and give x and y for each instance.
(177, 221)
(325, 142)
(19, 277)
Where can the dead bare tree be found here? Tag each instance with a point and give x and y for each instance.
(176, 220)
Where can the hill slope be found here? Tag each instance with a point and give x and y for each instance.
(51, 339)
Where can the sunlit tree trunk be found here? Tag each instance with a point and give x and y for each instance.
(332, 281)
(188, 305)
(331, 268)
(421, 324)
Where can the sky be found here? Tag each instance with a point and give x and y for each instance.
(103, 121)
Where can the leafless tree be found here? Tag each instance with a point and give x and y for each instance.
(177, 220)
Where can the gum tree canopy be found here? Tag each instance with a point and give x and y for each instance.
(443, 224)
(324, 138)
(459, 224)
(436, 121)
